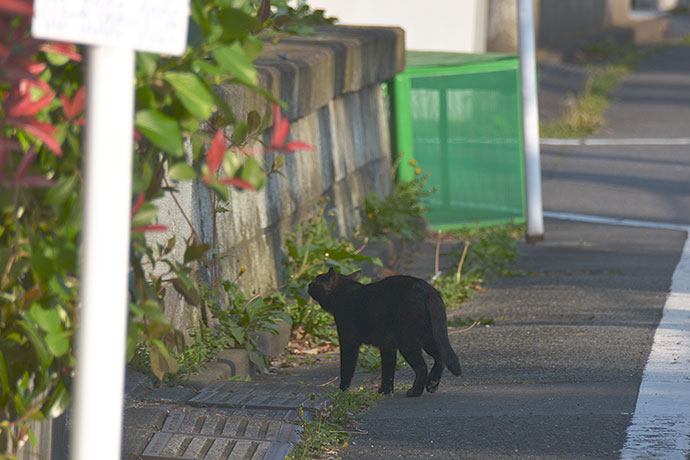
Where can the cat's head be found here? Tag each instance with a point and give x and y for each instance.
(324, 285)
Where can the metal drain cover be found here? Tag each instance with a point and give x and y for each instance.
(232, 421)
(252, 395)
(218, 434)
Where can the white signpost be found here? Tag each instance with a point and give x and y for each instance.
(114, 29)
(530, 122)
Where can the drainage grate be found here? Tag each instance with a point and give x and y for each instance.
(208, 434)
(249, 395)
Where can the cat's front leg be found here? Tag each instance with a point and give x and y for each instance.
(348, 362)
(388, 359)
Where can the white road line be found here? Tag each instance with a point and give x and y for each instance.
(613, 142)
(615, 221)
(660, 427)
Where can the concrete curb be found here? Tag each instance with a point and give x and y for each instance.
(235, 362)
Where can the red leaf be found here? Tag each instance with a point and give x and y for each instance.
(298, 145)
(32, 180)
(36, 68)
(20, 102)
(65, 49)
(138, 204)
(281, 127)
(215, 155)
(150, 228)
(25, 164)
(73, 107)
(43, 131)
(17, 6)
(239, 183)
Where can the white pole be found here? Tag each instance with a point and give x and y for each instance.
(102, 320)
(530, 122)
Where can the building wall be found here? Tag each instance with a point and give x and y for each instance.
(435, 25)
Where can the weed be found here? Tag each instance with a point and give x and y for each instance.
(399, 214)
(329, 429)
(369, 359)
(488, 253)
(463, 321)
(585, 113)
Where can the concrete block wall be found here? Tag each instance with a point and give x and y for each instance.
(332, 84)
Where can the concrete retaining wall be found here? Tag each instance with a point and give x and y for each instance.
(332, 83)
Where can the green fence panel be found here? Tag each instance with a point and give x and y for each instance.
(458, 116)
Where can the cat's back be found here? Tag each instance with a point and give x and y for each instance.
(394, 287)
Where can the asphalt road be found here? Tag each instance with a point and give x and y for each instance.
(557, 376)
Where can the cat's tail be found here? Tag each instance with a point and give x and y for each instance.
(439, 330)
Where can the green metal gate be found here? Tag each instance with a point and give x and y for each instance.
(459, 117)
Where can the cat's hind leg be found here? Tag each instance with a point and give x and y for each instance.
(415, 359)
(437, 370)
(388, 359)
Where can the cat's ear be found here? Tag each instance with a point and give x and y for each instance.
(332, 273)
(355, 276)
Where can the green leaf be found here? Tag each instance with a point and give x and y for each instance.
(62, 191)
(161, 361)
(47, 319)
(240, 133)
(168, 246)
(220, 189)
(4, 380)
(278, 162)
(181, 171)
(160, 129)
(195, 252)
(57, 59)
(202, 66)
(234, 60)
(252, 47)
(152, 310)
(42, 266)
(253, 173)
(58, 342)
(253, 121)
(147, 63)
(145, 215)
(237, 24)
(58, 403)
(192, 93)
(185, 287)
(142, 177)
(45, 357)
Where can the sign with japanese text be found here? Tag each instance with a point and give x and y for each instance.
(156, 26)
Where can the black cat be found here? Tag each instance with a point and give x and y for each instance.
(397, 313)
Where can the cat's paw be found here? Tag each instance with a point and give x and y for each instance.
(432, 385)
(412, 393)
(386, 390)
